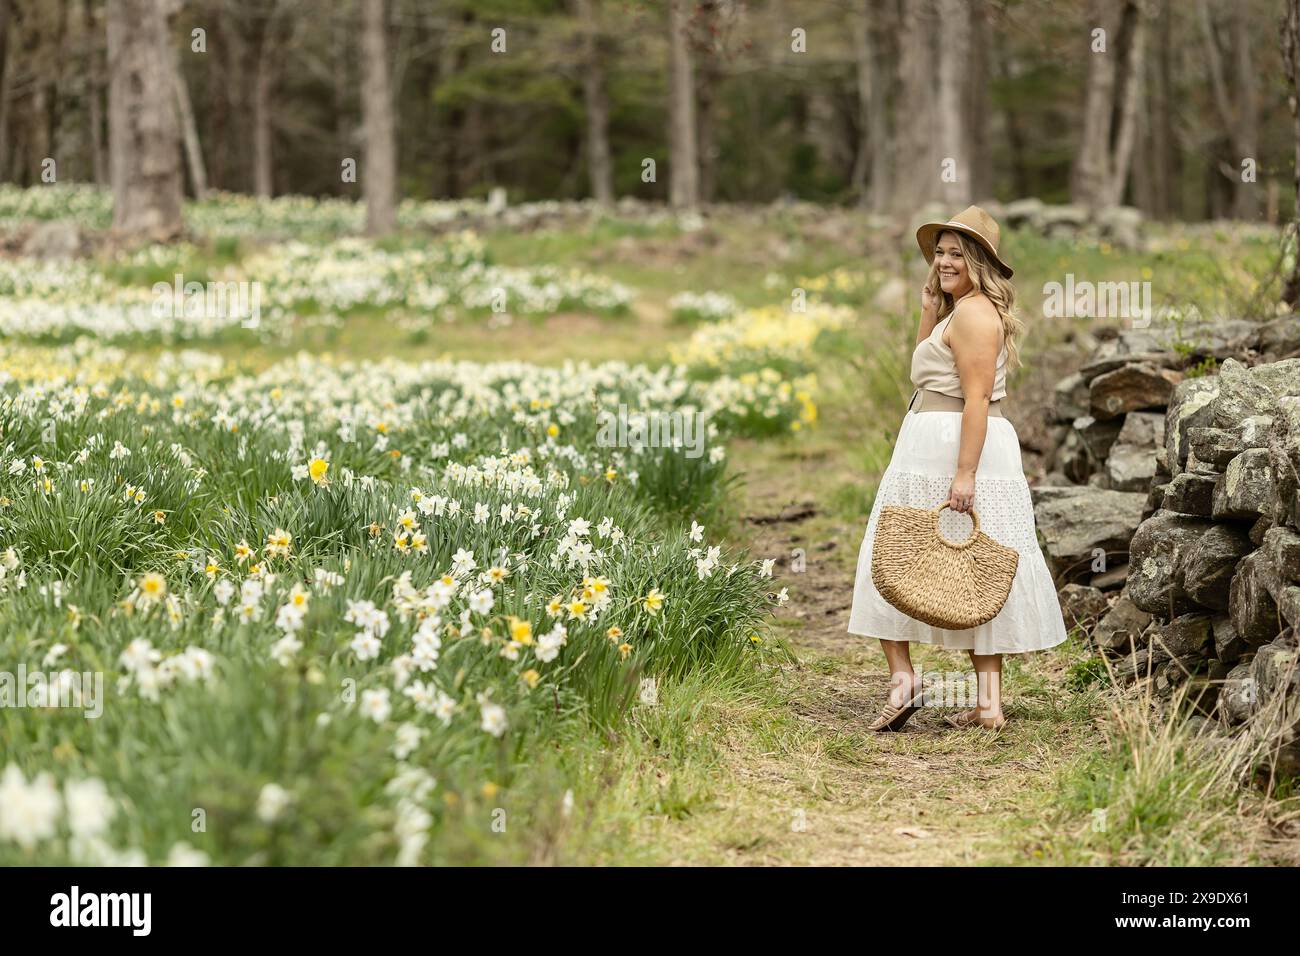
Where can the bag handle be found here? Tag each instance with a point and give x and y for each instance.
(974, 531)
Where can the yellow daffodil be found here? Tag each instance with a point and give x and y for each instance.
(521, 631)
(653, 601)
(153, 586)
(317, 470)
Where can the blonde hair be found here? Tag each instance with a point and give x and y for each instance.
(988, 279)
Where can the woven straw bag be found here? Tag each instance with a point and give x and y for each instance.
(952, 585)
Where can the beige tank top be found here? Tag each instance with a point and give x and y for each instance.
(934, 367)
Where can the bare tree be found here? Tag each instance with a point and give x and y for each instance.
(1291, 64)
(1237, 106)
(707, 52)
(1111, 102)
(143, 135)
(5, 70)
(865, 64)
(269, 26)
(1156, 177)
(683, 158)
(379, 171)
(1129, 83)
(596, 102)
(190, 134)
(873, 161)
(917, 159)
(953, 121)
(976, 102)
(95, 95)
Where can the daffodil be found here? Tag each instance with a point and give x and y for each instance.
(317, 469)
(653, 601)
(152, 587)
(521, 631)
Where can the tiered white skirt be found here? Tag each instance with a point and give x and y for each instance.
(920, 474)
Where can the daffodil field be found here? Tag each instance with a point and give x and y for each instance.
(317, 549)
(286, 607)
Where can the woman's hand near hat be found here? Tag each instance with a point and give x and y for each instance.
(929, 303)
(929, 313)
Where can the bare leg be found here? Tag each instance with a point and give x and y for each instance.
(902, 679)
(988, 679)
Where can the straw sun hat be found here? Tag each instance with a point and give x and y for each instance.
(972, 222)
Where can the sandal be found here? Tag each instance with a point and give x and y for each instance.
(966, 719)
(893, 718)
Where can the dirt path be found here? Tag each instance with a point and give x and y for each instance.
(826, 791)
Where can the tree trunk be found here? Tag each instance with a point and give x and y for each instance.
(1246, 198)
(879, 34)
(452, 58)
(95, 96)
(976, 104)
(1129, 82)
(596, 104)
(5, 19)
(54, 84)
(190, 131)
(917, 164)
(1291, 64)
(343, 131)
(379, 172)
(707, 78)
(144, 142)
(865, 66)
(1238, 108)
(1156, 193)
(1111, 100)
(263, 164)
(35, 100)
(683, 161)
(224, 55)
(1016, 137)
(263, 49)
(955, 77)
(1091, 173)
(1173, 165)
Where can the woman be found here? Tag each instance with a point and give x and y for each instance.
(955, 446)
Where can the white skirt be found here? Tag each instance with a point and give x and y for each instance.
(919, 475)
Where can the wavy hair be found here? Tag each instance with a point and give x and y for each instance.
(988, 279)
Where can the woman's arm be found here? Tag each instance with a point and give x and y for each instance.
(974, 332)
(929, 314)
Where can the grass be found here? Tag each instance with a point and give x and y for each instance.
(751, 753)
(1164, 792)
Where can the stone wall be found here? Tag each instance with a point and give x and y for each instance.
(1171, 510)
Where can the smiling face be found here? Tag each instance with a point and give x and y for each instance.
(954, 272)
